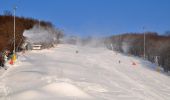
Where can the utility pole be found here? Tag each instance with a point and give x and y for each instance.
(14, 52)
(144, 43)
(14, 28)
(38, 25)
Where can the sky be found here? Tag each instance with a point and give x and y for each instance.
(96, 17)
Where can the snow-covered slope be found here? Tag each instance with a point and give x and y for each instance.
(91, 74)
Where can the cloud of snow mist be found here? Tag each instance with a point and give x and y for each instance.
(94, 42)
(125, 47)
(85, 41)
(40, 34)
(119, 43)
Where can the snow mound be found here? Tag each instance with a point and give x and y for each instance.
(65, 89)
(53, 91)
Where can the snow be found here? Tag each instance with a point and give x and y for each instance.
(91, 74)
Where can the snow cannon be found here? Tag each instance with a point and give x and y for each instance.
(11, 62)
(14, 57)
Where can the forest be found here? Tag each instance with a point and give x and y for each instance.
(22, 24)
(156, 46)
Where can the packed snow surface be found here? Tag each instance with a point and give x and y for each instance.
(69, 72)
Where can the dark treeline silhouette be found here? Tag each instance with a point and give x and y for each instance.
(7, 29)
(133, 43)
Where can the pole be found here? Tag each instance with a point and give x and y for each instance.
(14, 52)
(14, 29)
(39, 25)
(144, 44)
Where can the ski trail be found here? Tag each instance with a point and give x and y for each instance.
(91, 74)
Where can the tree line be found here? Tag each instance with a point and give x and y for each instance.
(156, 46)
(22, 24)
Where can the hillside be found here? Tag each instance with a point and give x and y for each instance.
(157, 46)
(7, 29)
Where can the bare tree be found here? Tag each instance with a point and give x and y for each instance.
(7, 13)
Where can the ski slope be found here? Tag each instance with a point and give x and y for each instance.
(91, 74)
